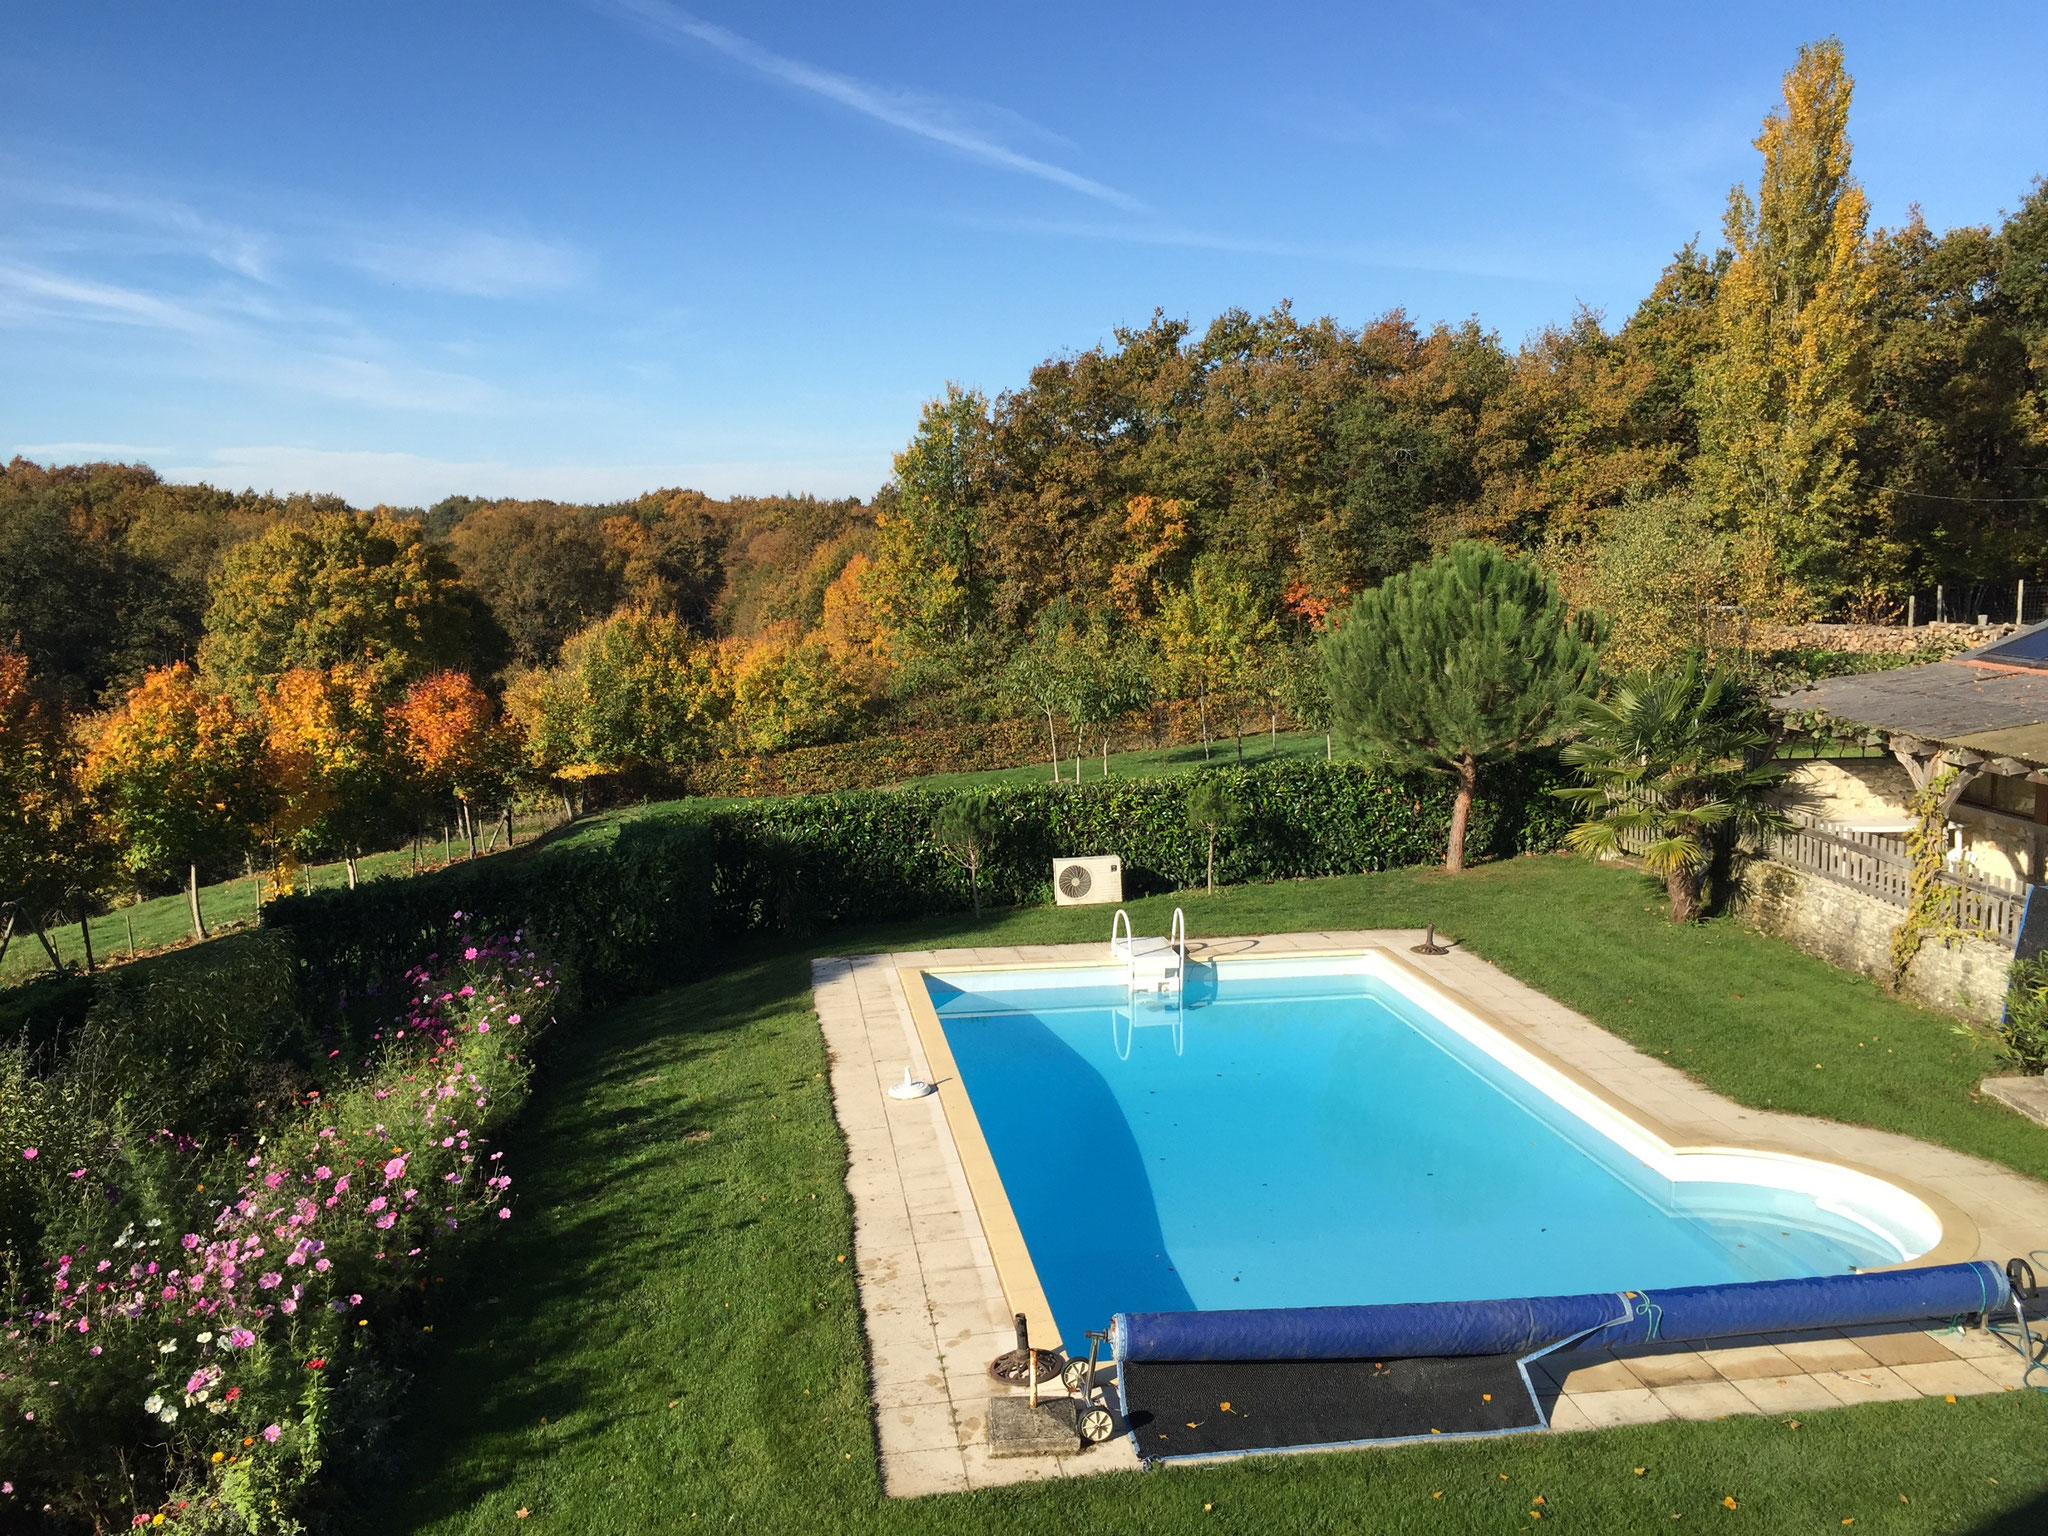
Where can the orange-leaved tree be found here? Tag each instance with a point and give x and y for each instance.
(51, 854)
(339, 777)
(181, 776)
(460, 745)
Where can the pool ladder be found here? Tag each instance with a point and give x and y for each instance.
(1153, 971)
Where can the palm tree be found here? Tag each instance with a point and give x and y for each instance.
(1681, 758)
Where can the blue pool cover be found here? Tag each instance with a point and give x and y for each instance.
(1409, 1330)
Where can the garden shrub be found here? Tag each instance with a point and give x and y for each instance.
(2024, 1029)
(194, 1338)
(207, 1039)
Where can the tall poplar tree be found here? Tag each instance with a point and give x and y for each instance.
(1781, 398)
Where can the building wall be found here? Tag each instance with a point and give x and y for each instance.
(1875, 794)
(1847, 928)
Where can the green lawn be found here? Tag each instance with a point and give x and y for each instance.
(666, 1338)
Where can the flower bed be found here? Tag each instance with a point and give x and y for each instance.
(205, 1323)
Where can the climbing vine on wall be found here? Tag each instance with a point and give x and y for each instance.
(1928, 900)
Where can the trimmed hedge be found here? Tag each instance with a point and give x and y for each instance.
(625, 915)
(645, 904)
(864, 855)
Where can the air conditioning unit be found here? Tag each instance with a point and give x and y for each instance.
(1083, 882)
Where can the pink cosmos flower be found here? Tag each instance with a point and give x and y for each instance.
(378, 1204)
(469, 953)
(29, 1153)
(323, 1172)
(241, 1338)
(271, 1281)
(191, 1240)
(272, 1180)
(504, 1214)
(512, 1018)
(385, 1220)
(395, 1169)
(271, 1432)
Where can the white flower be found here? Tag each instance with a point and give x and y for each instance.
(167, 1346)
(216, 1407)
(206, 1338)
(169, 1415)
(152, 1403)
(152, 1222)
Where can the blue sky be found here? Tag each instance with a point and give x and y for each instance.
(578, 248)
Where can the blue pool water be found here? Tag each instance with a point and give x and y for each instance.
(1321, 1140)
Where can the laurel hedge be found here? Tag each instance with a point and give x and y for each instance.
(638, 905)
(861, 856)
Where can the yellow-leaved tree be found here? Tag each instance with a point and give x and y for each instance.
(1781, 396)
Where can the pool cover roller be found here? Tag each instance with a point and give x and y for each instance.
(1411, 1330)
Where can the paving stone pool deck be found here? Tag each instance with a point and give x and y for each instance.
(936, 1311)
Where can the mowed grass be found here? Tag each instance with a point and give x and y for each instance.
(668, 1337)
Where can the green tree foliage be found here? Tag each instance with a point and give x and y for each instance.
(1213, 809)
(931, 577)
(964, 828)
(103, 567)
(634, 692)
(545, 571)
(345, 588)
(1470, 658)
(1677, 763)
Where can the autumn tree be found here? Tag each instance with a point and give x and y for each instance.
(930, 579)
(1450, 665)
(1213, 634)
(458, 744)
(338, 777)
(181, 776)
(52, 856)
(344, 589)
(786, 691)
(1781, 397)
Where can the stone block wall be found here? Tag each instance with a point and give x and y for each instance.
(1845, 927)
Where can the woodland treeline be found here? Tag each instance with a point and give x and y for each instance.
(1806, 416)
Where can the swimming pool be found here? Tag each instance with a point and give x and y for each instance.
(1336, 1130)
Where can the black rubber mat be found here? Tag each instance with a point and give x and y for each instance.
(1186, 1408)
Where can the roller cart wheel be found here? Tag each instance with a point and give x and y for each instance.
(1097, 1425)
(1075, 1375)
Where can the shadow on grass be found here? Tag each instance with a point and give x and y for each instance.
(617, 1117)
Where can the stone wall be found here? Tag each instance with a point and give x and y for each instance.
(1876, 639)
(1847, 928)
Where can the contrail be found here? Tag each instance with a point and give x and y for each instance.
(924, 118)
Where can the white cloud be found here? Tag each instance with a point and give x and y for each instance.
(29, 293)
(368, 477)
(473, 262)
(940, 122)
